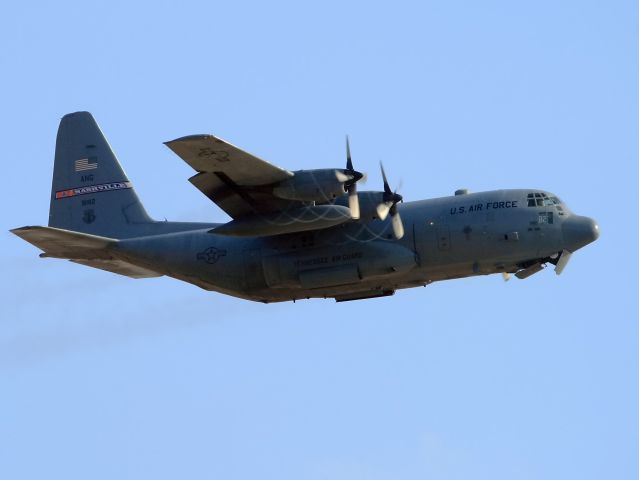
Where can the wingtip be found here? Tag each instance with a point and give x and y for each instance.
(16, 230)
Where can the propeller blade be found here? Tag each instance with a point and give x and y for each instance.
(562, 262)
(353, 201)
(383, 209)
(389, 205)
(387, 188)
(398, 226)
(349, 177)
(349, 162)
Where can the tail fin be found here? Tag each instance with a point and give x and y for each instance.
(90, 191)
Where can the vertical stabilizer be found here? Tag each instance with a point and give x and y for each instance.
(90, 191)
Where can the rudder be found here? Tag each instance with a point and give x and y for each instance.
(90, 192)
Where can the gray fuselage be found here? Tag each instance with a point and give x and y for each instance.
(446, 238)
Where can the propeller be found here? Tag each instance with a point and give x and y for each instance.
(389, 203)
(349, 177)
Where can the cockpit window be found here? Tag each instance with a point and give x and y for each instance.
(540, 199)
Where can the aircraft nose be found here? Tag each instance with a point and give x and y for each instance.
(579, 231)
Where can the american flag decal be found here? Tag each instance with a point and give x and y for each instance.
(83, 164)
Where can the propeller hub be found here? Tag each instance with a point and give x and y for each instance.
(348, 177)
(392, 197)
(357, 176)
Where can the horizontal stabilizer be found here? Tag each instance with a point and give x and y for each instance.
(59, 243)
(82, 248)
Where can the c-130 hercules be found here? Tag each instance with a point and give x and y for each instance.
(293, 235)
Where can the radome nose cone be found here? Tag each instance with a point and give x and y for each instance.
(579, 231)
(595, 230)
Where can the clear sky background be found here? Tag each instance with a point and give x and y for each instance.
(106, 377)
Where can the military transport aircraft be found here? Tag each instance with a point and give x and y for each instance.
(293, 234)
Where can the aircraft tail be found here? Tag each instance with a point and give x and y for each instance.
(90, 192)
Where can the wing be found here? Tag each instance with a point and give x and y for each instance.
(235, 180)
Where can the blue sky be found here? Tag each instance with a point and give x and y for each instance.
(107, 377)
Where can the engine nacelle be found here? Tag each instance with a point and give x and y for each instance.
(368, 202)
(319, 186)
